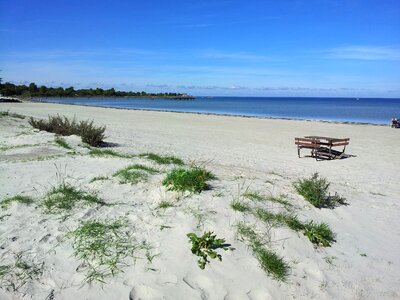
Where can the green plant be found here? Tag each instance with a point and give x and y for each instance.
(19, 198)
(205, 247)
(134, 173)
(319, 234)
(22, 271)
(108, 153)
(98, 178)
(12, 115)
(103, 247)
(65, 197)
(315, 191)
(255, 196)
(240, 206)
(279, 219)
(62, 142)
(165, 204)
(269, 261)
(163, 159)
(89, 133)
(193, 180)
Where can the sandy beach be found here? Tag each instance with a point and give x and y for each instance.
(245, 154)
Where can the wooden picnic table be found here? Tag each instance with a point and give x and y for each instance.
(321, 146)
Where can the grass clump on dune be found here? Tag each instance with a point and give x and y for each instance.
(65, 197)
(108, 153)
(103, 247)
(315, 191)
(134, 173)
(163, 159)
(22, 271)
(89, 133)
(98, 178)
(238, 205)
(269, 261)
(62, 142)
(318, 234)
(12, 115)
(193, 179)
(19, 199)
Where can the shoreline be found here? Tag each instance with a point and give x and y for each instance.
(215, 114)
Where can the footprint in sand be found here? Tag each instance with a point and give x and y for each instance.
(144, 292)
(208, 290)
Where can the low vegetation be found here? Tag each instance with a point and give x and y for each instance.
(238, 205)
(258, 197)
(193, 179)
(98, 178)
(19, 199)
(318, 234)
(108, 153)
(62, 142)
(269, 261)
(163, 159)
(89, 133)
(65, 197)
(205, 247)
(165, 204)
(134, 173)
(16, 275)
(12, 115)
(315, 191)
(103, 247)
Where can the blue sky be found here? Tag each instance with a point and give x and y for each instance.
(219, 47)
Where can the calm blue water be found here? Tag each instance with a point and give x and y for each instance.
(368, 110)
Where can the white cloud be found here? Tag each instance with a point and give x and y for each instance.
(364, 53)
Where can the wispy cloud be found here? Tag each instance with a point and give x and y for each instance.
(364, 53)
(236, 56)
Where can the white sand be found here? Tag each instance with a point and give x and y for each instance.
(259, 153)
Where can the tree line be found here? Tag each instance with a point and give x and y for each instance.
(32, 90)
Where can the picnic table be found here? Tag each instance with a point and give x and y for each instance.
(322, 146)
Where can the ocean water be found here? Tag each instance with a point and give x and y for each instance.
(364, 110)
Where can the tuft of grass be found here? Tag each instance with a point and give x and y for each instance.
(62, 142)
(238, 205)
(319, 234)
(108, 153)
(254, 196)
(315, 191)
(103, 247)
(281, 199)
(65, 197)
(22, 271)
(98, 178)
(134, 173)
(165, 204)
(163, 159)
(279, 219)
(89, 133)
(12, 115)
(193, 180)
(269, 261)
(18, 198)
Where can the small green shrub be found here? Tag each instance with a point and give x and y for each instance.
(134, 173)
(65, 197)
(319, 234)
(193, 180)
(103, 247)
(90, 134)
(205, 247)
(163, 159)
(19, 198)
(315, 191)
(62, 142)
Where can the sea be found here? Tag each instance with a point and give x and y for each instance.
(357, 110)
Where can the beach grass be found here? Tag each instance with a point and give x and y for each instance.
(19, 273)
(62, 142)
(18, 198)
(108, 153)
(134, 173)
(269, 261)
(103, 247)
(65, 197)
(165, 204)
(240, 206)
(195, 179)
(319, 234)
(163, 159)
(12, 115)
(99, 178)
(315, 191)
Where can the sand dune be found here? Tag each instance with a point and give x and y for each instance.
(245, 154)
